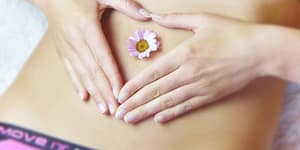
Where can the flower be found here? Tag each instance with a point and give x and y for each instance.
(142, 43)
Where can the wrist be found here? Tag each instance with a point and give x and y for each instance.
(285, 53)
(268, 43)
(280, 50)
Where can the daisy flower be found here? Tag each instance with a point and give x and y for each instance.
(142, 43)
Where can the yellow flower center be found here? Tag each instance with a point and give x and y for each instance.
(142, 46)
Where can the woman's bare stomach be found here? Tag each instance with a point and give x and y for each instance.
(43, 98)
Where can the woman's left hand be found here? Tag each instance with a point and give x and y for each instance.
(222, 57)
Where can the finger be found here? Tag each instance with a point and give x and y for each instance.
(94, 71)
(104, 58)
(161, 103)
(88, 83)
(84, 65)
(129, 7)
(178, 110)
(100, 80)
(158, 69)
(98, 97)
(157, 88)
(70, 52)
(173, 80)
(81, 90)
(179, 21)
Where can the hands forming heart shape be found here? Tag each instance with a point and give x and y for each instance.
(84, 50)
(183, 80)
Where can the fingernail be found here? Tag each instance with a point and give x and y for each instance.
(81, 96)
(156, 16)
(102, 108)
(116, 92)
(120, 114)
(145, 13)
(122, 97)
(129, 118)
(159, 119)
(111, 108)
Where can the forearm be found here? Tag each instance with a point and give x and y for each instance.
(57, 10)
(283, 59)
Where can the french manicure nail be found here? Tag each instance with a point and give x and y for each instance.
(116, 93)
(120, 114)
(102, 108)
(145, 13)
(156, 16)
(122, 98)
(159, 119)
(111, 108)
(81, 96)
(129, 118)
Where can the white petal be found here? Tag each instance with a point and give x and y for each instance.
(141, 56)
(139, 34)
(153, 45)
(150, 35)
(151, 41)
(144, 54)
(132, 40)
(148, 54)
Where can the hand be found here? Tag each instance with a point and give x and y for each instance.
(221, 58)
(81, 43)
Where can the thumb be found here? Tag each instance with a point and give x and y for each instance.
(129, 7)
(179, 21)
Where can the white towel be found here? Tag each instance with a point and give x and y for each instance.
(21, 28)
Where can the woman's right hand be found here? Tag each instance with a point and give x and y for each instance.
(82, 45)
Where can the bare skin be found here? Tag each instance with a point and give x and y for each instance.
(42, 98)
(83, 47)
(187, 78)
